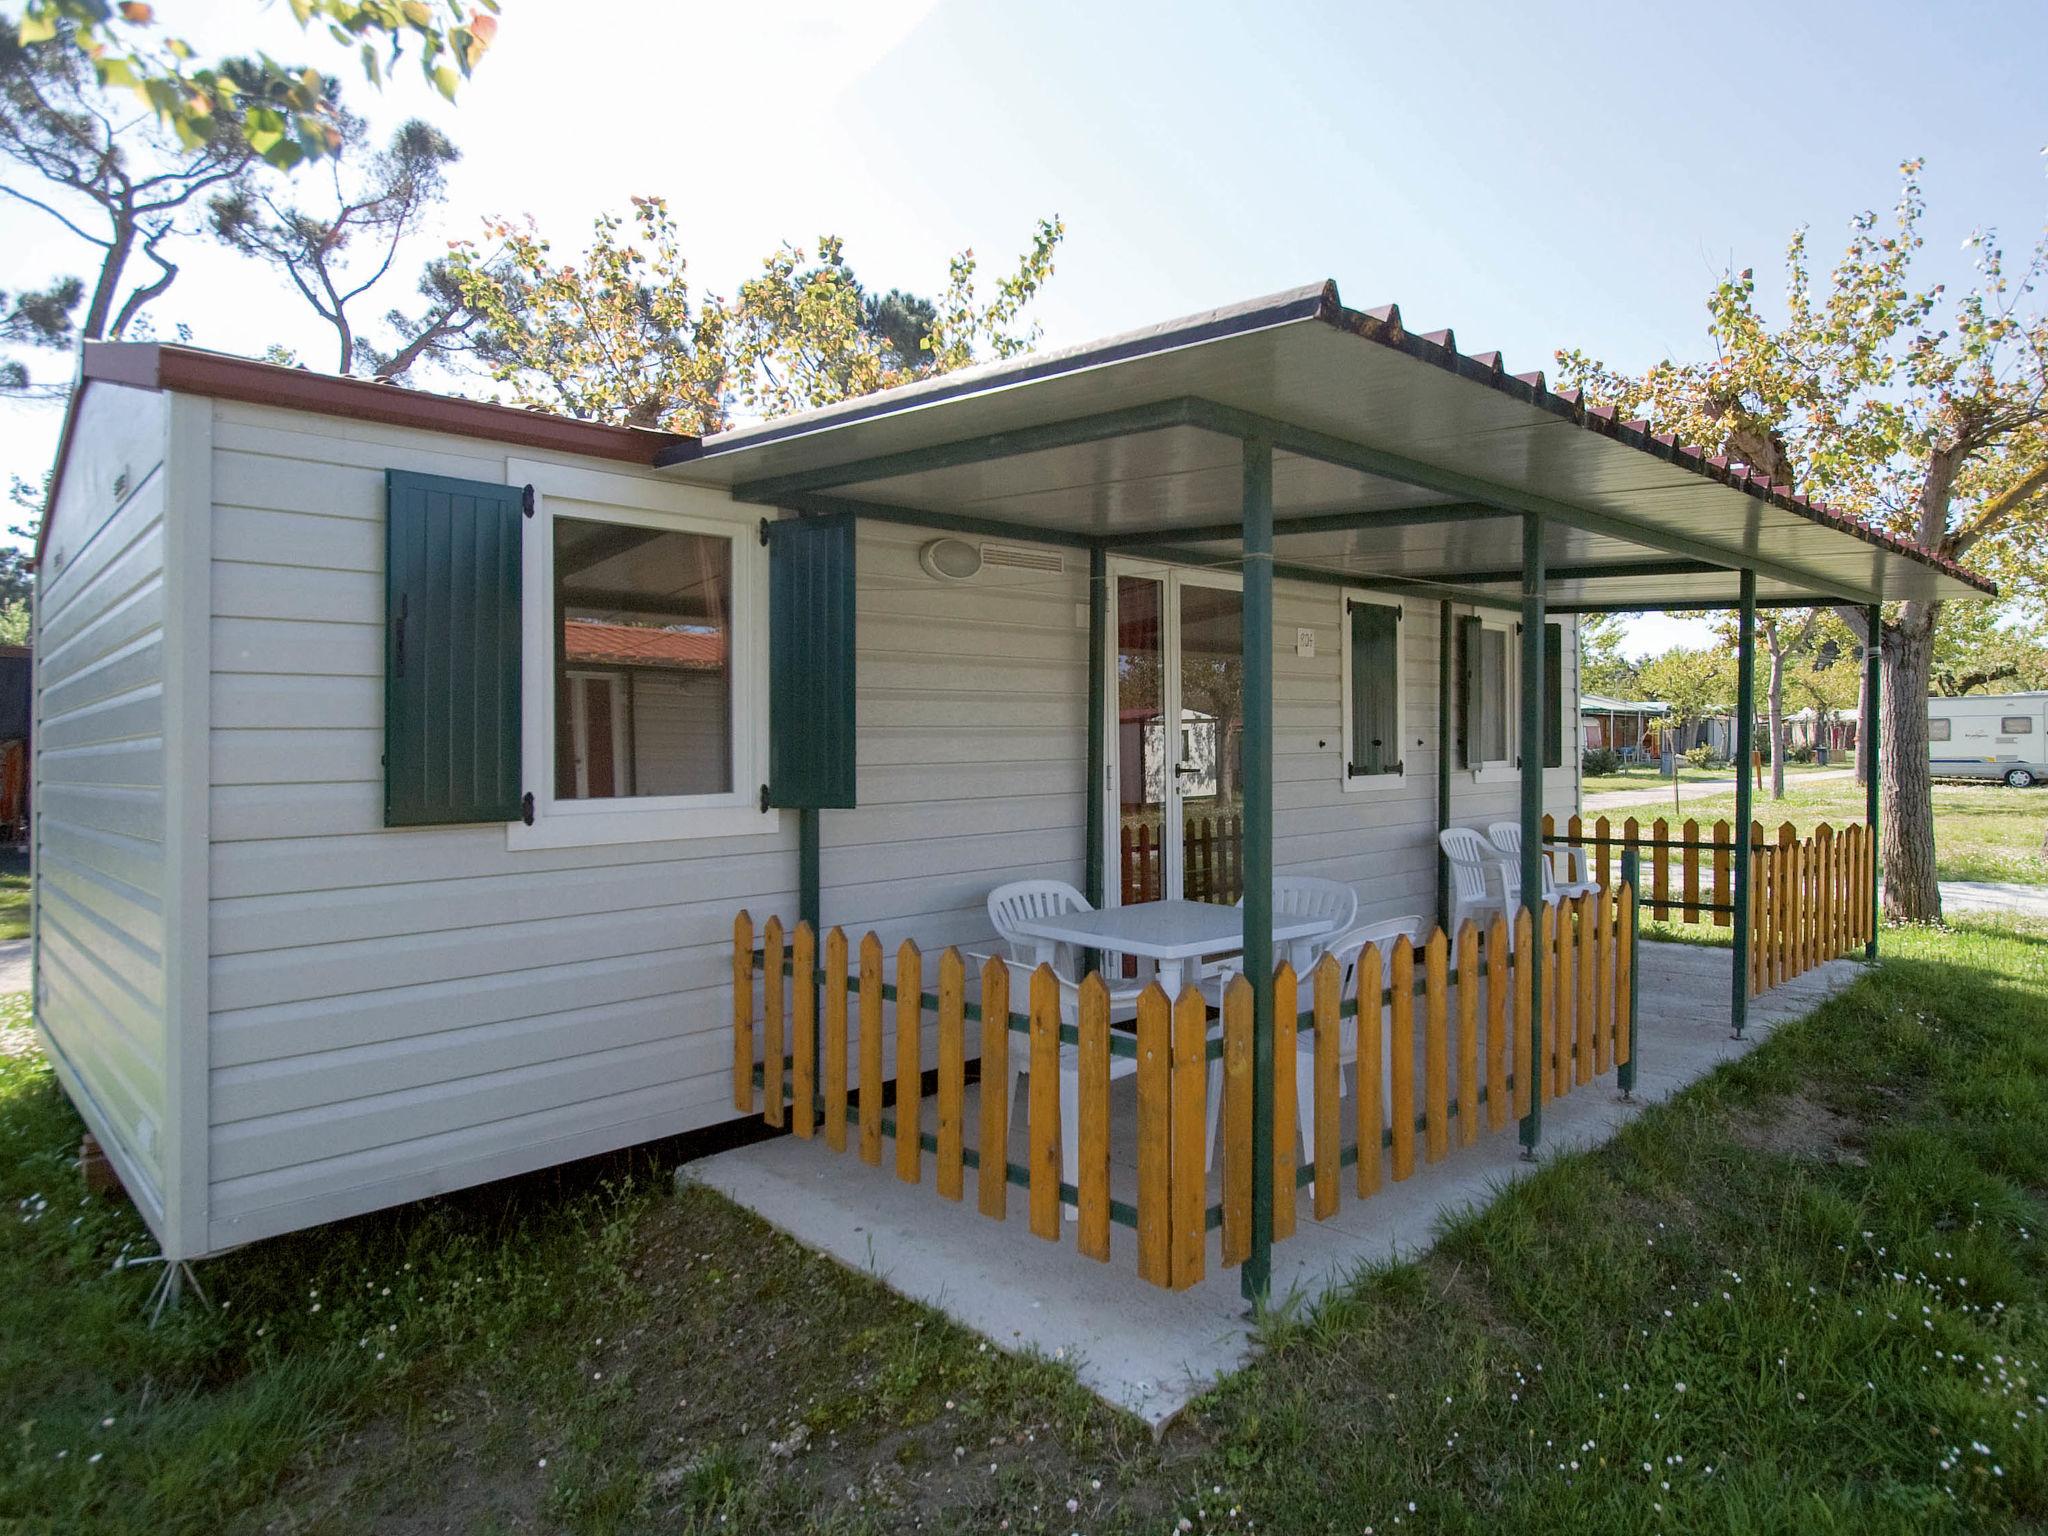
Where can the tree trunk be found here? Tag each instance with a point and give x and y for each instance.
(101, 309)
(1905, 792)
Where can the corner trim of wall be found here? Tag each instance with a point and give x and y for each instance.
(187, 700)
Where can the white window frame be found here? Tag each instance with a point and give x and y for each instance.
(1511, 681)
(594, 495)
(1348, 596)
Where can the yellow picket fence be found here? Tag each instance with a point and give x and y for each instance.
(1809, 900)
(813, 1057)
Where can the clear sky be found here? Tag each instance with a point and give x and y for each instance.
(1531, 175)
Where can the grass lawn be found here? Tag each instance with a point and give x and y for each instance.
(1808, 1295)
(1981, 832)
(1648, 776)
(13, 897)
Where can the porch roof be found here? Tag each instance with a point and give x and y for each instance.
(1398, 461)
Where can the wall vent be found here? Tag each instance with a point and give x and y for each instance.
(1019, 558)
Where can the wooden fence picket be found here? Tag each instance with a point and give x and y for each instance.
(1042, 1119)
(1436, 1050)
(909, 1059)
(1660, 866)
(1603, 837)
(1237, 1120)
(1155, 1106)
(1329, 1127)
(1091, 1178)
(1692, 870)
(992, 1182)
(1468, 1033)
(1498, 1049)
(771, 1022)
(1589, 976)
(1522, 959)
(1371, 1054)
(1723, 849)
(1189, 1179)
(1604, 1009)
(1402, 1054)
(871, 1049)
(1286, 1105)
(951, 1176)
(1563, 995)
(835, 1039)
(803, 1030)
(743, 1013)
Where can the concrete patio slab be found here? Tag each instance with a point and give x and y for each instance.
(1151, 1351)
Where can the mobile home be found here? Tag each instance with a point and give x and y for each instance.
(401, 762)
(2000, 736)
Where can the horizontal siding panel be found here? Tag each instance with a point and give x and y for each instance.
(359, 1125)
(298, 648)
(135, 574)
(301, 810)
(272, 1088)
(256, 923)
(133, 861)
(252, 699)
(286, 1200)
(102, 569)
(134, 715)
(323, 542)
(246, 1036)
(115, 627)
(136, 764)
(282, 865)
(297, 756)
(246, 591)
(76, 920)
(283, 436)
(136, 664)
(134, 914)
(129, 812)
(342, 969)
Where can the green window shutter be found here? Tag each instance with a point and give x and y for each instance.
(451, 650)
(1375, 684)
(810, 662)
(1553, 695)
(1468, 692)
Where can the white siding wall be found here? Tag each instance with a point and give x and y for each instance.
(99, 787)
(397, 1013)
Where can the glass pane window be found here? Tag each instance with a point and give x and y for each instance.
(643, 661)
(2015, 725)
(1373, 635)
(1937, 730)
(1493, 695)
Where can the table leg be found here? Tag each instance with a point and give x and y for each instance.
(1170, 973)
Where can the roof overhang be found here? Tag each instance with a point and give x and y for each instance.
(1399, 462)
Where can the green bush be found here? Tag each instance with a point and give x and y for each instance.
(1703, 756)
(1800, 754)
(1600, 760)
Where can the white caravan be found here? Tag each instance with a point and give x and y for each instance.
(1990, 736)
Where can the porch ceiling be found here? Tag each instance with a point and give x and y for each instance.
(1360, 411)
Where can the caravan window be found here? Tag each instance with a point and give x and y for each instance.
(643, 679)
(1937, 730)
(2015, 725)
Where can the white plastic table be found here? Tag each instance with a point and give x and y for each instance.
(1170, 932)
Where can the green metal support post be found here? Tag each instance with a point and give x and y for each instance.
(1632, 877)
(1745, 786)
(1258, 846)
(1098, 663)
(1529, 745)
(1873, 663)
(807, 839)
(1443, 762)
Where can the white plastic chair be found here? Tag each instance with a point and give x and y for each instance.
(1507, 837)
(1477, 871)
(1294, 896)
(1346, 950)
(1020, 901)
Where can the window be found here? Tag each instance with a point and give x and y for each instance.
(1372, 689)
(2015, 725)
(1486, 693)
(1937, 730)
(645, 642)
(643, 661)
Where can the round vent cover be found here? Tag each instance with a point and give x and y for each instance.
(950, 559)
